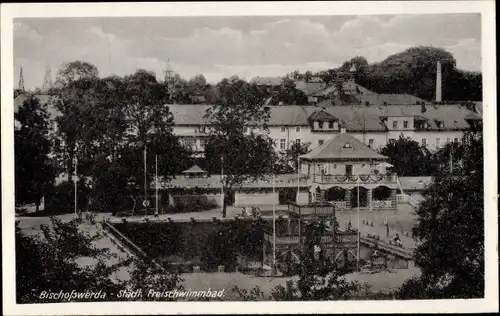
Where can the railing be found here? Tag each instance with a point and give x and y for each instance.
(401, 198)
(366, 178)
(339, 204)
(412, 201)
(325, 209)
(405, 198)
(381, 203)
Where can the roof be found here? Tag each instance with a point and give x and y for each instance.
(194, 169)
(343, 146)
(44, 99)
(478, 107)
(353, 117)
(323, 116)
(271, 81)
(309, 88)
(213, 181)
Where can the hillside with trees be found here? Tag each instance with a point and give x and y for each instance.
(413, 71)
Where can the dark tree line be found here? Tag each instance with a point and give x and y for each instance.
(413, 71)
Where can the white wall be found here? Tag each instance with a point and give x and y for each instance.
(261, 198)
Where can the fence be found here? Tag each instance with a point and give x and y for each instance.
(405, 198)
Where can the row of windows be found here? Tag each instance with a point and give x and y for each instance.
(297, 128)
(424, 141)
(395, 124)
(331, 125)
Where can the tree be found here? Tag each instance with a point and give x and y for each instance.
(150, 127)
(241, 156)
(197, 85)
(34, 172)
(450, 231)
(293, 153)
(75, 71)
(50, 263)
(408, 157)
(80, 124)
(288, 93)
(307, 76)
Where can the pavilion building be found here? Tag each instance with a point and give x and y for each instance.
(344, 166)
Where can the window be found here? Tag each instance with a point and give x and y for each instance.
(191, 143)
(282, 144)
(335, 125)
(297, 129)
(347, 145)
(370, 143)
(282, 129)
(202, 129)
(394, 124)
(202, 144)
(363, 165)
(320, 142)
(438, 142)
(335, 166)
(424, 142)
(297, 141)
(405, 124)
(330, 125)
(320, 124)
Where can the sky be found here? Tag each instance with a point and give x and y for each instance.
(245, 46)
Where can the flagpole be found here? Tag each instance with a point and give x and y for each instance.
(274, 223)
(76, 186)
(298, 179)
(359, 231)
(156, 183)
(451, 159)
(222, 183)
(145, 179)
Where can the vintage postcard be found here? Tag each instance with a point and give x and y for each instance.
(194, 158)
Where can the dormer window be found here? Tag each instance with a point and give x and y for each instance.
(347, 145)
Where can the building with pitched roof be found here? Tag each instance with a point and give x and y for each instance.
(374, 126)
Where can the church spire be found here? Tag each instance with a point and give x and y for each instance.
(21, 81)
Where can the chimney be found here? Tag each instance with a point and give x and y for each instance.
(438, 82)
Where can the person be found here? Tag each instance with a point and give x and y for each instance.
(243, 212)
(397, 240)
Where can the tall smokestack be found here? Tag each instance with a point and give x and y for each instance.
(438, 82)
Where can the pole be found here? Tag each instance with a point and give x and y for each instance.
(156, 183)
(451, 159)
(145, 179)
(359, 231)
(298, 179)
(274, 224)
(76, 185)
(222, 183)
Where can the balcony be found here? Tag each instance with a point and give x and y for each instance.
(353, 179)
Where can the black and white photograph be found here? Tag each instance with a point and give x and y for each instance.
(178, 155)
